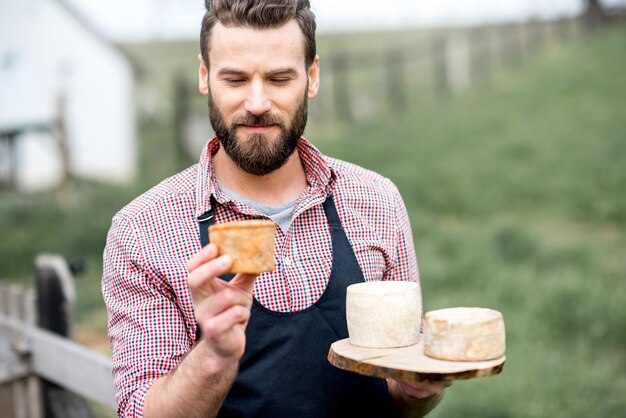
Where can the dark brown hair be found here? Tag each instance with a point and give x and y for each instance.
(259, 14)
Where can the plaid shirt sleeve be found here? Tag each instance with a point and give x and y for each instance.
(404, 265)
(146, 328)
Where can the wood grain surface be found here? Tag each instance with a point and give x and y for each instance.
(408, 364)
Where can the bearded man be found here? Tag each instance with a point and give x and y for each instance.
(188, 341)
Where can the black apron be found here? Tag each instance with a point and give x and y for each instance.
(284, 372)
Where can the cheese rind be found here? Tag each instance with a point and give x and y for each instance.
(464, 334)
(249, 243)
(384, 314)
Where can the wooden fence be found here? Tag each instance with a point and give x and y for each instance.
(441, 63)
(43, 373)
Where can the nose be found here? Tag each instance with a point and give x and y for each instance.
(258, 101)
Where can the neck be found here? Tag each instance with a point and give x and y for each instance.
(280, 186)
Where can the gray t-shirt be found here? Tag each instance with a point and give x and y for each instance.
(281, 214)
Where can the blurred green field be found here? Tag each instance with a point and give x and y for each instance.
(517, 198)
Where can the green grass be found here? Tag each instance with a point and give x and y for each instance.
(517, 200)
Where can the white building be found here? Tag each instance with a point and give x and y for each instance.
(47, 52)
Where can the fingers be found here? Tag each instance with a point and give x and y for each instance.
(222, 308)
(244, 281)
(204, 266)
(225, 333)
(206, 253)
(222, 323)
(226, 298)
(419, 392)
(423, 389)
(205, 273)
(223, 317)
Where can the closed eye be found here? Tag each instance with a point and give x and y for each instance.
(280, 80)
(234, 81)
(282, 76)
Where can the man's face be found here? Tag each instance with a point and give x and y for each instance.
(258, 87)
(258, 153)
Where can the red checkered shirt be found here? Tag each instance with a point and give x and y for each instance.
(151, 318)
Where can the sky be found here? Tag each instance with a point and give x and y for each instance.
(136, 20)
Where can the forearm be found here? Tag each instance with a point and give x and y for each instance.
(412, 406)
(196, 388)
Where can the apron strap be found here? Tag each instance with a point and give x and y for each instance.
(331, 212)
(204, 222)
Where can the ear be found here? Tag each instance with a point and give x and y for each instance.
(203, 77)
(314, 78)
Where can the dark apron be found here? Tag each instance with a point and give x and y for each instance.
(284, 372)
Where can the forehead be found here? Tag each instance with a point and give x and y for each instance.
(241, 47)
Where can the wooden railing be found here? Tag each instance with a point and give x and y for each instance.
(43, 373)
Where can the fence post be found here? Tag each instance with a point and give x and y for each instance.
(33, 384)
(6, 391)
(457, 62)
(16, 311)
(512, 45)
(65, 192)
(439, 64)
(55, 312)
(8, 160)
(481, 57)
(182, 111)
(396, 86)
(341, 86)
(537, 35)
(524, 34)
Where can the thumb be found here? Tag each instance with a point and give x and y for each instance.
(244, 281)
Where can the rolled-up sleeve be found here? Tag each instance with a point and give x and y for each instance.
(146, 327)
(404, 263)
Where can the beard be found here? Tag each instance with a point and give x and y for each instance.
(259, 154)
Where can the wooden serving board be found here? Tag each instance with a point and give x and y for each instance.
(409, 364)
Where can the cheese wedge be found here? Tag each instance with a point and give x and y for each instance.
(464, 334)
(383, 314)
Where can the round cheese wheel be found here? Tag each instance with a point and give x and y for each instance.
(383, 314)
(464, 334)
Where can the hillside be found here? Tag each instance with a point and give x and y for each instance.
(517, 200)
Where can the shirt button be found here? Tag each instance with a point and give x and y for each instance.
(287, 261)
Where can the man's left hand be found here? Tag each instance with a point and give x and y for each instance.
(416, 399)
(418, 390)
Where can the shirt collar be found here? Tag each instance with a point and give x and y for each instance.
(319, 174)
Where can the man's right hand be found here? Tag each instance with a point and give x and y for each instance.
(222, 308)
(199, 385)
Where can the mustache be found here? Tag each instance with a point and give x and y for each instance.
(258, 120)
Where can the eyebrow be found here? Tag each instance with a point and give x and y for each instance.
(229, 71)
(283, 71)
(226, 71)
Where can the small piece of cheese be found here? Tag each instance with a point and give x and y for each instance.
(464, 334)
(383, 314)
(249, 243)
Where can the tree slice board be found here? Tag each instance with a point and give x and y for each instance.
(408, 364)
